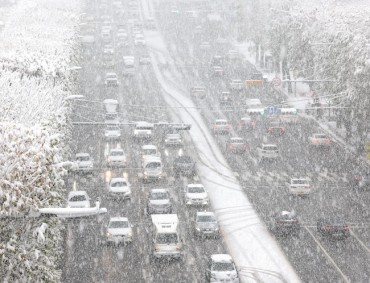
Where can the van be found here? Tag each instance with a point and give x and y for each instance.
(167, 241)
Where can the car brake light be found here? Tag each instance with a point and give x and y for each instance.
(245, 146)
(231, 146)
(269, 129)
(328, 228)
(358, 177)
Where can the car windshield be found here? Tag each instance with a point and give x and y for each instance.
(299, 181)
(83, 158)
(112, 128)
(195, 190)
(149, 151)
(184, 159)
(159, 195)
(118, 224)
(119, 184)
(116, 153)
(153, 165)
(144, 128)
(270, 147)
(167, 238)
(223, 266)
(78, 198)
(321, 136)
(220, 123)
(206, 218)
(237, 140)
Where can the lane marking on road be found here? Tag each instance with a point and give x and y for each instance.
(361, 242)
(345, 278)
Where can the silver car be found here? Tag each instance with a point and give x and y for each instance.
(206, 224)
(159, 201)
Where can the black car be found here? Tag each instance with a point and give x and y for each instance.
(285, 223)
(184, 165)
(333, 227)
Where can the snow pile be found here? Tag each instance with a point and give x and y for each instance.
(38, 49)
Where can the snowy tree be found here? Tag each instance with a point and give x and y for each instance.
(39, 45)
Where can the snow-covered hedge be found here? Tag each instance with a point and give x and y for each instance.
(38, 50)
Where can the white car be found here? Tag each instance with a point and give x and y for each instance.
(195, 194)
(143, 130)
(84, 163)
(111, 79)
(78, 199)
(149, 150)
(221, 268)
(173, 139)
(267, 151)
(117, 158)
(144, 60)
(112, 132)
(299, 187)
(320, 139)
(139, 40)
(119, 230)
(253, 103)
(119, 187)
(237, 85)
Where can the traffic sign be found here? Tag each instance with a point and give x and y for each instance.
(272, 109)
(276, 81)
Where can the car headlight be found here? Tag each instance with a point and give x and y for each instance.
(109, 234)
(197, 228)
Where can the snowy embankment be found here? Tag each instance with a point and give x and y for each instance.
(254, 250)
(38, 48)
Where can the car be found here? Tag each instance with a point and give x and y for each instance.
(361, 181)
(221, 268)
(236, 145)
(198, 92)
(143, 130)
(116, 158)
(111, 119)
(112, 132)
(288, 115)
(226, 101)
(320, 140)
(173, 139)
(204, 46)
(139, 40)
(119, 230)
(232, 54)
(237, 84)
(267, 152)
(246, 123)
(206, 224)
(84, 163)
(78, 199)
(111, 79)
(184, 165)
(285, 223)
(195, 194)
(217, 60)
(276, 128)
(144, 60)
(217, 71)
(119, 188)
(151, 169)
(221, 126)
(108, 49)
(159, 201)
(299, 187)
(333, 226)
(253, 103)
(149, 150)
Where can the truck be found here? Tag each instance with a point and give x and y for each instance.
(167, 241)
(128, 65)
(111, 113)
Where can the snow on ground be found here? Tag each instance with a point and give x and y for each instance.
(247, 239)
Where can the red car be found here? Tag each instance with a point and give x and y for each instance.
(276, 128)
(236, 144)
(246, 124)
